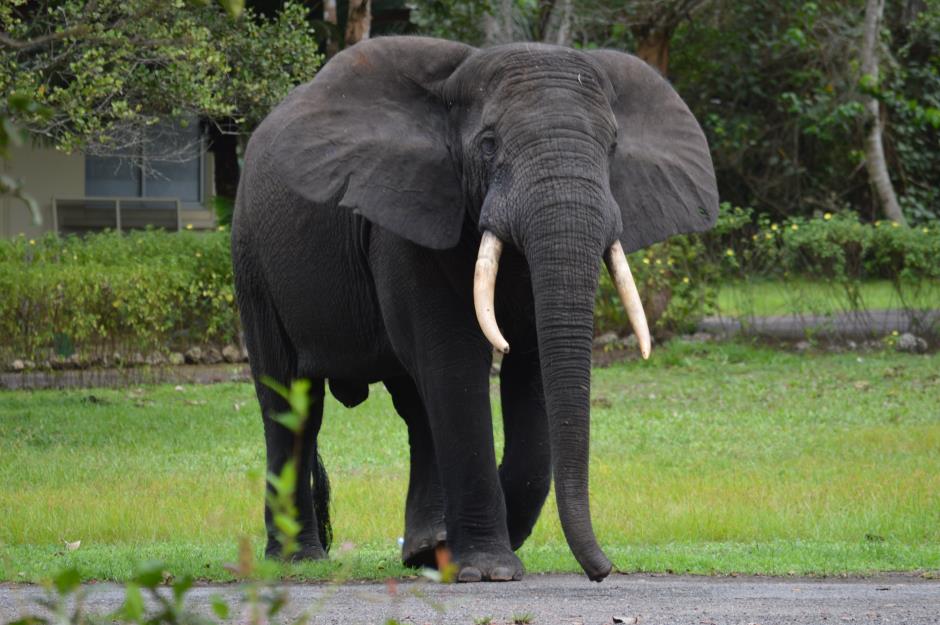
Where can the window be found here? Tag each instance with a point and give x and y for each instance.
(172, 165)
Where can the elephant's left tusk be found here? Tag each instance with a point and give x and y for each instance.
(484, 290)
(620, 273)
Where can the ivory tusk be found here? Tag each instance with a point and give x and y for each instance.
(484, 289)
(620, 273)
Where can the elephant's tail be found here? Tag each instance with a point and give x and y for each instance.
(321, 503)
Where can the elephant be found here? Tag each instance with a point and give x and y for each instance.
(377, 204)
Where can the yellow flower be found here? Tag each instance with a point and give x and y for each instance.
(116, 303)
(877, 223)
(768, 236)
(827, 216)
(659, 262)
(895, 224)
(670, 262)
(729, 252)
(189, 226)
(221, 228)
(646, 261)
(32, 241)
(773, 226)
(753, 237)
(894, 333)
(794, 227)
(926, 230)
(198, 254)
(685, 280)
(229, 298)
(74, 256)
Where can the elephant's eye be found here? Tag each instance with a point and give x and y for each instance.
(613, 148)
(488, 146)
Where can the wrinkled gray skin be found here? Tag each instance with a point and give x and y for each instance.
(358, 219)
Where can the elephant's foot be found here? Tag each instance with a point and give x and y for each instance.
(498, 564)
(305, 551)
(420, 547)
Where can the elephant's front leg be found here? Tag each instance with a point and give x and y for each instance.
(526, 469)
(428, 314)
(456, 393)
(425, 530)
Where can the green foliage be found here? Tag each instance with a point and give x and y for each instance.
(776, 86)
(680, 278)
(133, 293)
(109, 74)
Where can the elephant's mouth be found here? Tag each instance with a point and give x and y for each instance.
(484, 289)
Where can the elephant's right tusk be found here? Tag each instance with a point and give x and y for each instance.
(620, 273)
(484, 289)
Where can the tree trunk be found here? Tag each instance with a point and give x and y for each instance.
(224, 147)
(875, 161)
(330, 17)
(498, 26)
(360, 21)
(558, 24)
(654, 49)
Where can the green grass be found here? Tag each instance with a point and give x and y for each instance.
(763, 298)
(708, 459)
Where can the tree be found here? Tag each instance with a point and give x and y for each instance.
(874, 148)
(110, 71)
(359, 22)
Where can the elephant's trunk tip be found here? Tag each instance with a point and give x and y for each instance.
(484, 290)
(629, 295)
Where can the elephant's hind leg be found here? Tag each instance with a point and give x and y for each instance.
(425, 530)
(311, 495)
(272, 355)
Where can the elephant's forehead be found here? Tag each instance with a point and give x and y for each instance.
(525, 71)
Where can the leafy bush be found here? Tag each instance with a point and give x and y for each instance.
(110, 292)
(679, 278)
(155, 291)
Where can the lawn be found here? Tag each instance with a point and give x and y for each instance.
(707, 459)
(761, 297)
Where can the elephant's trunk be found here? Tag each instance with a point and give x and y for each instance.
(564, 282)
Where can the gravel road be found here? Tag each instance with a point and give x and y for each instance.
(572, 600)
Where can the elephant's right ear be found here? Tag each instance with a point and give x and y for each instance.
(369, 133)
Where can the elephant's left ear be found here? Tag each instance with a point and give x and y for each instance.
(661, 173)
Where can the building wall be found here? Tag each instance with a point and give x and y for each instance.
(48, 173)
(45, 173)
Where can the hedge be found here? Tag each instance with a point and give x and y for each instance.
(155, 291)
(105, 293)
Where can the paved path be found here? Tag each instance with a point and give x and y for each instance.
(571, 600)
(861, 325)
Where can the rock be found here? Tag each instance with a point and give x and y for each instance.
(155, 359)
(18, 365)
(211, 356)
(803, 346)
(29, 365)
(910, 344)
(138, 358)
(607, 338)
(176, 359)
(231, 354)
(194, 355)
(851, 345)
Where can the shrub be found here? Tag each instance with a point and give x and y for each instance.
(109, 292)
